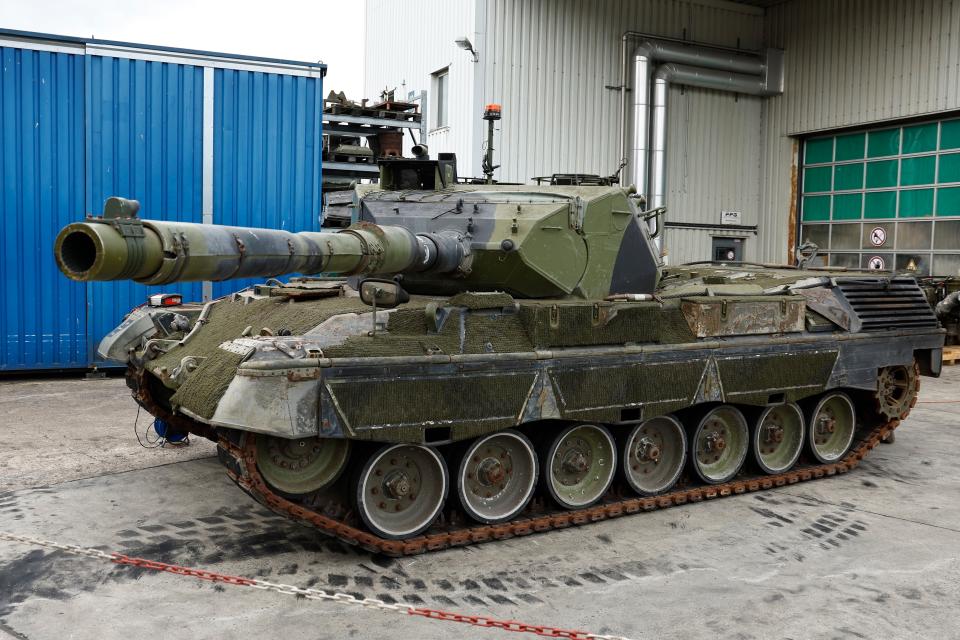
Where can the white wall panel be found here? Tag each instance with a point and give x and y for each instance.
(406, 42)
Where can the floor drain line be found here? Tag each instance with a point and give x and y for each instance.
(312, 594)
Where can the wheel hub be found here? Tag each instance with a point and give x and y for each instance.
(715, 441)
(575, 461)
(397, 485)
(773, 433)
(826, 425)
(490, 472)
(648, 451)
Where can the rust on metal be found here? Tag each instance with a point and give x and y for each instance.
(792, 217)
(716, 316)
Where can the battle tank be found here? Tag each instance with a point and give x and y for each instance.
(484, 361)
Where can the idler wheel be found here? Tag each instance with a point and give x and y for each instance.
(778, 437)
(579, 465)
(897, 389)
(719, 445)
(831, 426)
(653, 455)
(401, 489)
(302, 465)
(497, 476)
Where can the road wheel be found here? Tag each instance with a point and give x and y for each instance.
(653, 455)
(579, 465)
(401, 490)
(302, 465)
(778, 437)
(719, 445)
(497, 476)
(831, 427)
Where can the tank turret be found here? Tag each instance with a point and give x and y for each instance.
(532, 242)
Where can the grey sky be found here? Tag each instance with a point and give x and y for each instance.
(308, 30)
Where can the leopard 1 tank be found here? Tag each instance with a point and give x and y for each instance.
(484, 361)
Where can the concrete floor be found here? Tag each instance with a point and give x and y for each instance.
(872, 554)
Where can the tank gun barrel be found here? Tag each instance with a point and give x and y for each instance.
(119, 245)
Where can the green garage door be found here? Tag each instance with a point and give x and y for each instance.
(885, 198)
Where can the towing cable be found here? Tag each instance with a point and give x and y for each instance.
(311, 594)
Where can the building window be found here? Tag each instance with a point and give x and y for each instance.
(885, 198)
(441, 102)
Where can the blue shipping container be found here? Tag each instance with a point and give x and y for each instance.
(194, 136)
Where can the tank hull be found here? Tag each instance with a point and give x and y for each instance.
(444, 374)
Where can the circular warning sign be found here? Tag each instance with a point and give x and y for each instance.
(876, 262)
(878, 236)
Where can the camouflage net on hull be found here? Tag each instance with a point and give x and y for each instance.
(227, 321)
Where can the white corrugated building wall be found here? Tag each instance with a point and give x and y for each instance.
(555, 68)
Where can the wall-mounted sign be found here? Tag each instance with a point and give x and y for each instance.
(878, 236)
(729, 217)
(876, 263)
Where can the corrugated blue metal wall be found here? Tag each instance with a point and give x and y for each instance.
(42, 319)
(144, 121)
(76, 129)
(267, 146)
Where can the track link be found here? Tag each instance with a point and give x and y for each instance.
(242, 469)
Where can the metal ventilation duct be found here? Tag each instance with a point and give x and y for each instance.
(692, 65)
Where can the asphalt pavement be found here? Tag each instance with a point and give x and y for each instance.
(869, 554)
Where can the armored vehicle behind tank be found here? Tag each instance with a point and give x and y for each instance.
(486, 361)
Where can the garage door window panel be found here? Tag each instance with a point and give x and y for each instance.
(947, 237)
(918, 263)
(917, 171)
(816, 207)
(850, 147)
(920, 138)
(845, 236)
(847, 206)
(848, 260)
(883, 143)
(948, 202)
(946, 265)
(882, 174)
(848, 176)
(916, 203)
(950, 134)
(914, 235)
(880, 204)
(817, 179)
(949, 168)
(819, 150)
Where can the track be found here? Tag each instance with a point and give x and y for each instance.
(239, 458)
(249, 480)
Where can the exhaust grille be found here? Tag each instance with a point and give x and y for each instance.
(895, 303)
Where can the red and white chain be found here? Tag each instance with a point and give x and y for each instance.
(312, 594)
